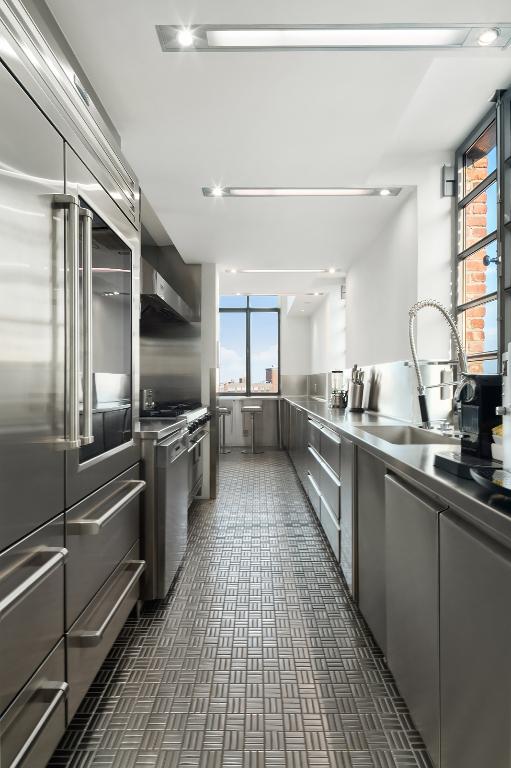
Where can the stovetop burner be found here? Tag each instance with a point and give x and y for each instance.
(172, 409)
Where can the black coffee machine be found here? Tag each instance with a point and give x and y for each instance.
(477, 399)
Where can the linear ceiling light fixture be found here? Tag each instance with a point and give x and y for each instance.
(337, 37)
(300, 191)
(330, 271)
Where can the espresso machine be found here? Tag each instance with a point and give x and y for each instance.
(477, 399)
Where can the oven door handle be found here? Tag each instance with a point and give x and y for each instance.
(86, 245)
(60, 695)
(95, 636)
(70, 204)
(93, 526)
(56, 557)
(197, 442)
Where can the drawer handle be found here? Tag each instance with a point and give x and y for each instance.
(61, 690)
(313, 483)
(95, 636)
(91, 527)
(57, 556)
(324, 465)
(331, 435)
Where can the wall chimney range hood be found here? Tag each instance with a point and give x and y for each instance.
(158, 295)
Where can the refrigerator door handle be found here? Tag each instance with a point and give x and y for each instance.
(71, 206)
(86, 245)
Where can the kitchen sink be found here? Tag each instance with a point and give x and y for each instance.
(410, 436)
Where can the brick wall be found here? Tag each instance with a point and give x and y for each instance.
(474, 269)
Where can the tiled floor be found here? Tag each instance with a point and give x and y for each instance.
(259, 657)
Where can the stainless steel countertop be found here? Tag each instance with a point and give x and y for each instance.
(489, 513)
(157, 429)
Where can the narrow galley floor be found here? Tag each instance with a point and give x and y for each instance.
(258, 658)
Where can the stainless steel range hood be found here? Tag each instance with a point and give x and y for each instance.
(160, 296)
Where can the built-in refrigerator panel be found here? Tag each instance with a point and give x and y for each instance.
(31, 316)
(113, 339)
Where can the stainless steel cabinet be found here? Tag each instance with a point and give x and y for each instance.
(475, 648)
(330, 449)
(31, 605)
(284, 424)
(348, 501)
(99, 532)
(371, 542)
(412, 604)
(93, 633)
(31, 316)
(32, 726)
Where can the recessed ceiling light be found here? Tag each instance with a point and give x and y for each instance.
(332, 270)
(385, 192)
(185, 37)
(337, 37)
(488, 36)
(298, 191)
(232, 271)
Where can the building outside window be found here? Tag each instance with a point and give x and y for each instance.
(477, 247)
(249, 345)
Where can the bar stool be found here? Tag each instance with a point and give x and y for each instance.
(223, 411)
(252, 410)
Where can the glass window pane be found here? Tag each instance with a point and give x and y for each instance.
(478, 326)
(264, 352)
(483, 366)
(233, 345)
(481, 158)
(263, 302)
(233, 302)
(479, 217)
(477, 274)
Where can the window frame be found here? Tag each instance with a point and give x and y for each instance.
(248, 311)
(460, 255)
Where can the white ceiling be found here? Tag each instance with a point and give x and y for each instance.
(277, 119)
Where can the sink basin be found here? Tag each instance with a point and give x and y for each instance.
(410, 436)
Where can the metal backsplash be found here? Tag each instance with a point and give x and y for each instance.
(293, 385)
(317, 385)
(170, 358)
(391, 390)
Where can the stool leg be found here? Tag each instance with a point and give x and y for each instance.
(253, 436)
(223, 449)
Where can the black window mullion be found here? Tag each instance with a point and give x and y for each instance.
(471, 196)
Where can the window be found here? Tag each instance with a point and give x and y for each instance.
(477, 256)
(249, 345)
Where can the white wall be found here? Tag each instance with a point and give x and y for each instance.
(328, 334)
(295, 353)
(433, 241)
(381, 285)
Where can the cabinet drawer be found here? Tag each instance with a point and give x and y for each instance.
(330, 488)
(314, 466)
(99, 532)
(93, 633)
(32, 726)
(330, 449)
(314, 495)
(331, 528)
(314, 433)
(31, 605)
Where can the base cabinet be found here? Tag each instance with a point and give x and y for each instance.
(475, 648)
(412, 605)
(371, 543)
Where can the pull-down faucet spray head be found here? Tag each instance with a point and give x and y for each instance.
(462, 360)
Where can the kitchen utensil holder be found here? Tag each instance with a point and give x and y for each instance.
(356, 397)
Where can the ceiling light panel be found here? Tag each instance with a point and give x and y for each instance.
(207, 37)
(300, 191)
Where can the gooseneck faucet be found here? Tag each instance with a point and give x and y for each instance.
(462, 359)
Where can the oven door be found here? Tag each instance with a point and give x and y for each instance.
(102, 337)
(196, 464)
